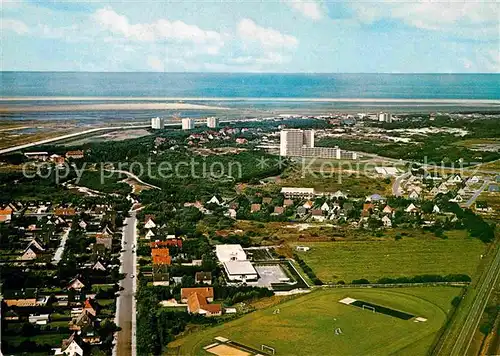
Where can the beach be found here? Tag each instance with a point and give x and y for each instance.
(106, 106)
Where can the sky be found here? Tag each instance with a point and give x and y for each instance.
(311, 36)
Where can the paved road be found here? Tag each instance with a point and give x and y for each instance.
(60, 250)
(125, 313)
(454, 345)
(476, 194)
(396, 191)
(132, 175)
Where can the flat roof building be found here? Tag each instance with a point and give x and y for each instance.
(226, 253)
(240, 271)
(212, 122)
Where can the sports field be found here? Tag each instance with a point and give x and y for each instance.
(306, 325)
(375, 259)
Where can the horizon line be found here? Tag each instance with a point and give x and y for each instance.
(280, 73)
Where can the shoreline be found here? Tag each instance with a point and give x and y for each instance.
(280, 99)
(108, 106)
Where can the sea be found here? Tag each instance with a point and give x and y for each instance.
(249, 92)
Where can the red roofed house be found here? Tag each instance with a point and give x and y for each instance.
(172, 242)
(198, 300)
(75, 154)
(161, 256)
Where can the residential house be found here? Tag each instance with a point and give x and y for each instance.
(40, 319)
(278, 210)
(161, 256)
(454, 179)
(10, 315)
(70, 347)
(288, 202)
(457, 199)
(317, 214)
(435, 209)
(308, 205)
(203, 277)
(302, 248)
(90, 335)
(90, 306)
(255, 208)
(98, 266)
(387, 210)
(161, 277)
(214, 200)
(75, 284)
(150, 224)
(375, 198)
(57, 159)
(198, 300)
(169, 242)
(339, 195)
(325, 207)
(149, 235)
(106, 241)
(411, 208)
(75, 154)
(386, 221)
(83, 320)
(413, 195)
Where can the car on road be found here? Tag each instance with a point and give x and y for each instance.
(132, 276)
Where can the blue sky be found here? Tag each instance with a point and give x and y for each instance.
(251, 36)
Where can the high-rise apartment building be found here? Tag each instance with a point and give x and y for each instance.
(187, 123)
(293, 140)
(212, 122)
(157, 123)
(300, 143)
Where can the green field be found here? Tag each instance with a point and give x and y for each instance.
(306, 324)
(410, 256)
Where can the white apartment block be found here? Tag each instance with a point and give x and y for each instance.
(187, 123)
(385, 117)
(157, 123)
(212, 122)
(300, 143)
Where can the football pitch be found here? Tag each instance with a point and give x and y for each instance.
(310, 324)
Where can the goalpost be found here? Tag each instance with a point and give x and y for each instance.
(268, 349)
(368, 307)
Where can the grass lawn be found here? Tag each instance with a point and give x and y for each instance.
(306, 324)
(374, 259)
(350, 182)
(51, 339)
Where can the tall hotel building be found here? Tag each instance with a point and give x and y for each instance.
(300, 143)
(187, 123)
(212, 122)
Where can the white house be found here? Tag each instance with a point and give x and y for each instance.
(457, 199)
(411, 208)
(41, 319)
(214, 200)
(70, 347)
(98, 266)
(325, 207)
(436, 209)
(473, 180)
(150, 224)
(339, 194)
(302, 248)
(455, 179)
(149, 234)
(413, 195)
(386, 221)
